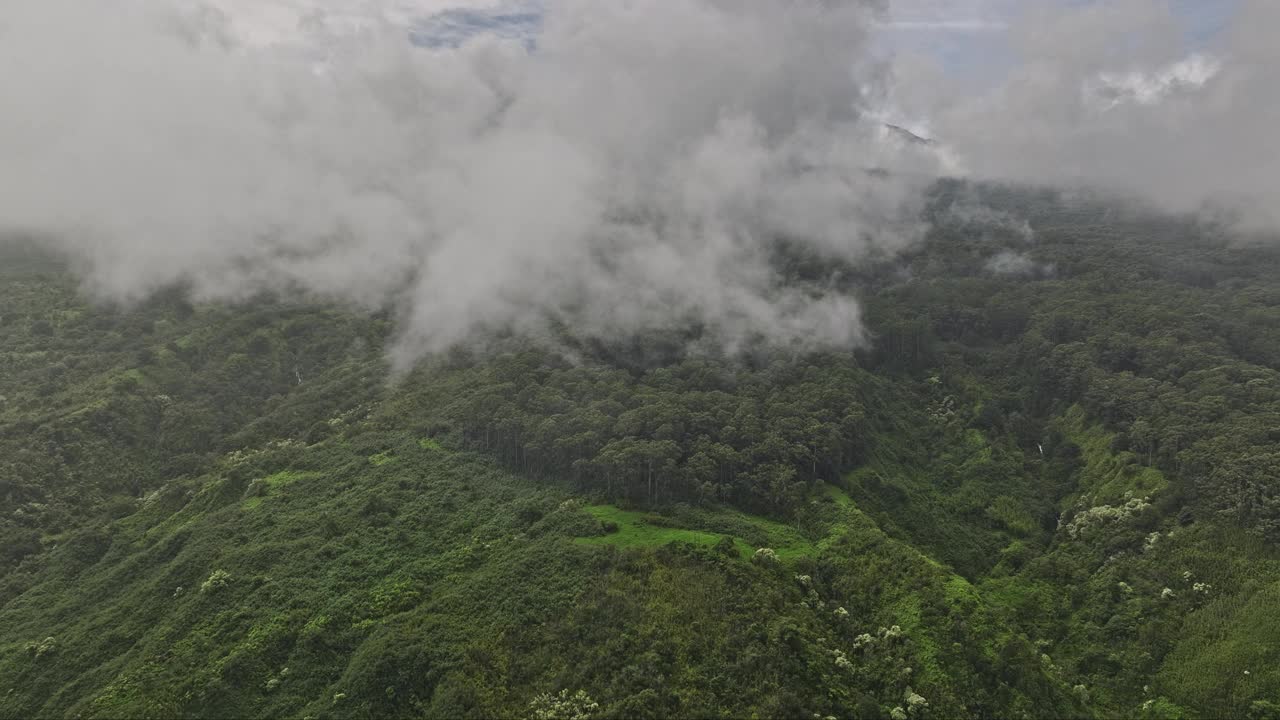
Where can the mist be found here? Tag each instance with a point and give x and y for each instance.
(630, 172)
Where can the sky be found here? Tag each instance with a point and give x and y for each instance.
(968, 38)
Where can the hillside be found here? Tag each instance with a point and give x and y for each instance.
(1049, 486)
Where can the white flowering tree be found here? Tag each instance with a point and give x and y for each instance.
(563, 706)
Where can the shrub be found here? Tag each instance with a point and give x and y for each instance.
(217, 580)
(44, 647)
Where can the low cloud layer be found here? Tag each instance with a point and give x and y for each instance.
(629, 168)
(629, 173)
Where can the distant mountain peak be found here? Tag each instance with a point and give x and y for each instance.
(905, 134)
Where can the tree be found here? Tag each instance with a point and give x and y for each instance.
(563, 706)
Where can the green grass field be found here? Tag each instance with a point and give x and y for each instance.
(747, 532)
(635, 530)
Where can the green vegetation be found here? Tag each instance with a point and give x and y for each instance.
(746, 533)
(1106, 475)
(634, 530)
(1050, 495)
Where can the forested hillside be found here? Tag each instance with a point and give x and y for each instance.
(1048, 486)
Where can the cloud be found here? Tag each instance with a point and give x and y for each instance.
(949, 15)
(637, 170)
(633, 172)
(1114, 96)
(1189, 74)
(1019, 264)
(954, 25)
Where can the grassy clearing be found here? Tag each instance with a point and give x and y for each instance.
(274, 483)
(748, 532)
(637, 529)
(286, 477)
(785, 540)
(838, 496)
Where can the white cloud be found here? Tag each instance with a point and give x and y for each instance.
(1152, 86)
(952, 25)
(632, 173)
(1112, 96)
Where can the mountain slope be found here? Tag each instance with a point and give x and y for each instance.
(421, 580)
(1047, 489)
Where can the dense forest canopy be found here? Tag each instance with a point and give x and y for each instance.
(1047, 485)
